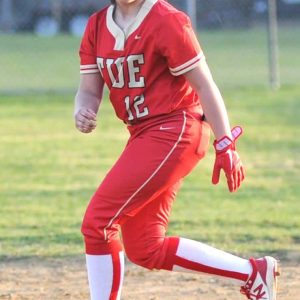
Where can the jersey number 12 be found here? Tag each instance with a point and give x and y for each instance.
(137, 102)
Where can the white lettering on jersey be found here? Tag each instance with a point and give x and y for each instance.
(127, 104)
(100, 62)
(120, 71)
(137, 104)
(118, 81)
(138, 101)
(115, 69)
(134, 60)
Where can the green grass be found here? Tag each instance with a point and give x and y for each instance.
(237, 57)
(240, 58)
(32, 63)
(49, 171)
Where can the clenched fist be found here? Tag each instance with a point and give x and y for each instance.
(85, 120)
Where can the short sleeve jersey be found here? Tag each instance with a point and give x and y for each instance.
(143, 66)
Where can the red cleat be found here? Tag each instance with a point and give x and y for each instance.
(262, 283)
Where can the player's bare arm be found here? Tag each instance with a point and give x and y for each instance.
(201, 80)
(87, 101)
(227, 159)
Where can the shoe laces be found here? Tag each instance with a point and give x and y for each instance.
(245, 291)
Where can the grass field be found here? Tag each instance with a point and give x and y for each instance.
(238, 58)
(49, 171)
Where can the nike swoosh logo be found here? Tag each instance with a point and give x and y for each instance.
(166, 128)
(137, 37)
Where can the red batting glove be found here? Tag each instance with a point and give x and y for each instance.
(228, 160)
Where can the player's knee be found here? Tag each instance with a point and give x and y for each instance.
(91, 225)
(87, 225)
(143, 259)
(147, 255)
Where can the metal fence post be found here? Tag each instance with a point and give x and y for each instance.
(191, 6)
(274, 77)
(57, 11)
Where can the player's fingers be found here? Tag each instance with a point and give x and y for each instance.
(89, 123)
(88, 114)
(235, 177)
(92, 123)
(80, 119)
(79, 124)
(230, 182)
(216, 174)
(239, 178)
(92, 113)
(242, 173)
(85, 122)
(83, 125)
(85, 130)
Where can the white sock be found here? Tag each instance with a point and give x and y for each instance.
(207, 256)
(102, 271)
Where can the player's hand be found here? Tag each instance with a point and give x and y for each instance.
(228, 159)
(85, 120)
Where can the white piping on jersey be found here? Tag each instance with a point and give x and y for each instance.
(88, 66)
(121, 260)
(189, 65)
(121, 35)
(89, 71)
(150, 177)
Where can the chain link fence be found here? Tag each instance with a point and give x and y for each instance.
(39, 41)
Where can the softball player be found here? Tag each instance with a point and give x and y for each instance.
(160, 86)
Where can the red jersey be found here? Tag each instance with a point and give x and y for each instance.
(143, 64)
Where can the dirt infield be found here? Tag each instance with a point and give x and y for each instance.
(55, 279)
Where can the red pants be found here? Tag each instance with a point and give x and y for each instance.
(138, 192)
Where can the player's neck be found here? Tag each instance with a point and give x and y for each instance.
(125, 13)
